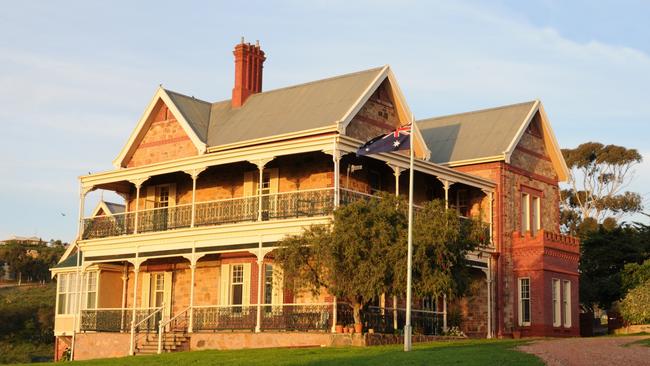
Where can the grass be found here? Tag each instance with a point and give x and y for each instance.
(26, 321)
(470, 352)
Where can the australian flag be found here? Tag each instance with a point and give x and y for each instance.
(400, 139)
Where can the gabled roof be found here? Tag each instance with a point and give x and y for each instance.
(487, 135)
(187, 110)
(109, 208)
(318, 106)
(303, 107)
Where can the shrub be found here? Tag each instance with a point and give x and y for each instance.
(634, 307)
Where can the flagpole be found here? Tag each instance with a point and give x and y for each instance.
(409, 264)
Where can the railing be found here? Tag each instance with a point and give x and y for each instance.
(297, 317)
(147, 324)
(178, 323)
(274, 206)
(165, 218)
(391, 320)
(106, 320)
(284, 205)
(349, 196)
(224, 317)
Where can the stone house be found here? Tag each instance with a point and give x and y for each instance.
(210, 188)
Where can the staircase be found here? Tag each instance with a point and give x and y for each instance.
(172, 342)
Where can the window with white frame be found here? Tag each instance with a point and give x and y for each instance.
(535, 220)
(524, 301)
(557, 309)
(91, 290)
(67, 293)
(237, 284)
(525, 212)
(530, 213)
(566, 301)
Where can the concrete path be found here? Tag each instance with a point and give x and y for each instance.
(590, 351)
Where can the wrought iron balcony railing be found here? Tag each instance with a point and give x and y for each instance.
(285, 205)
(275, 206)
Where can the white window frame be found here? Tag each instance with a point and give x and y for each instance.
(535, 204)
(556, 306)
(240, 269)
(69, 292)
(525, 212)
(566, 301)
(521, 302)
(91, 281)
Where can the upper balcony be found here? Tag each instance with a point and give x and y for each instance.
(293, 187)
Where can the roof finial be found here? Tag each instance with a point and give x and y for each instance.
(242, 39)
(257, 42)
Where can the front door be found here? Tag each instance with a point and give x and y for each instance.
(157, 293)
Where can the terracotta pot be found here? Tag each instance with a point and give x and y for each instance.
(350, 330)
(358, 328)
(339, 328)
(516, 334)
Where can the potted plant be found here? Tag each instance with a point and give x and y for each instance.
(339, 328)
(358, 328)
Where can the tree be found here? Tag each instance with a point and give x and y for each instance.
(362, 255)
(604, 255)
(599, 175)
(634, 307)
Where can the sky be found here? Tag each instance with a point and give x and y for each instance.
(75, 76)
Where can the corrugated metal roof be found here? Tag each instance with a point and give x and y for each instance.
(473, 135)
(296, 108)
(115, 208)
(195, 111)
(71, 261)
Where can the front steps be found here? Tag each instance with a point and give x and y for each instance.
(171, 342)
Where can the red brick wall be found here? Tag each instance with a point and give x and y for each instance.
(529, 168)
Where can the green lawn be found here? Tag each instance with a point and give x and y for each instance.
(471, 352)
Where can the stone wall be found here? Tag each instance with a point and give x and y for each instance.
(377, 116)
(163, 140)
(101, 345)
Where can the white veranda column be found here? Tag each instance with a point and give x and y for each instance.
(190, 327)
(136, 271)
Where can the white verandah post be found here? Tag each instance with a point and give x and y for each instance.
(136, 270)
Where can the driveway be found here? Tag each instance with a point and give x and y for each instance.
(590, 351)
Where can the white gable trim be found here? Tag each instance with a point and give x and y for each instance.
(343, 123)
(131, 144)
(402, 107)
(549, 138)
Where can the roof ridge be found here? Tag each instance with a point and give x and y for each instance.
(187, 96)
(316, 81)
(476, 111)
(282, 88)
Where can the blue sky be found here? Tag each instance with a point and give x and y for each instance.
(76, 76)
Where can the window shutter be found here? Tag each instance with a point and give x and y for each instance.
(246, 296)
(172, 194)
(274, 174)
(277, 297)
(150, 198)
(249, 181)
(167, 297)
(224, 288)
(145, 293)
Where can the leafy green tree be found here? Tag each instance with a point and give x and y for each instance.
(635, 274)
(634, 307)
(362, 255)
(599, 175)
(604, 255)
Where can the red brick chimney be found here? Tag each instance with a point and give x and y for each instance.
(248, 72)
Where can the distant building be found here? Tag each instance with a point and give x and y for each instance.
(22, 240)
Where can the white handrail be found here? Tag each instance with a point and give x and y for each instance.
(133, 326)
(163, 324)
